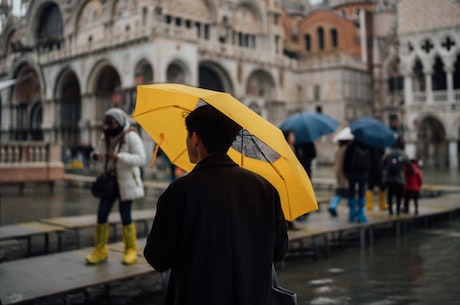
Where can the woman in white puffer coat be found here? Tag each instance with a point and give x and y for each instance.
(123, 150)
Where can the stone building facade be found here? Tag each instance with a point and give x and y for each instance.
(69, 60)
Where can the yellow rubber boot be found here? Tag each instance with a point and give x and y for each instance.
(100, 251)
(382, 201)
(130, 240)
(369, 200)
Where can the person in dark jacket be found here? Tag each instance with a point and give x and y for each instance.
(356, 163)
(393, 175)
(219, 228)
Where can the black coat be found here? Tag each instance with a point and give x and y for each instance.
(219, 229)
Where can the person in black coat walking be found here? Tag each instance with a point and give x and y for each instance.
(356, 165)
(219, 228)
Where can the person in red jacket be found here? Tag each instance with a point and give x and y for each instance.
(412, 186)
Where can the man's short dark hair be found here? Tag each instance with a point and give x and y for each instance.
(215, 129)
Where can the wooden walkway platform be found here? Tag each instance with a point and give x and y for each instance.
(34, 278)
(65, 226)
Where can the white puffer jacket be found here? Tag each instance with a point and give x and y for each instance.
(131, 156)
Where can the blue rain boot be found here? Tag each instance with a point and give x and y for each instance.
(351, 210)
(361, 212)
(333, 205)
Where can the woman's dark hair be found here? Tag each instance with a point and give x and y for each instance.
(215, 129)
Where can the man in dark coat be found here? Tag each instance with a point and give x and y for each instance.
(219, 228)
(355, 167)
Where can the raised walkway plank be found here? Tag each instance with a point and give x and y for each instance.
(35, 278)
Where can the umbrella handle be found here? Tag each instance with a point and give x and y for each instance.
(155, 152)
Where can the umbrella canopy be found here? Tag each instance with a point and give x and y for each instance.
(309, 126)
(260, 147)
(372, 132)
(344, 135)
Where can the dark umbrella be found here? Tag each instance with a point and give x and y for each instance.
(309, 126)
(372, 132)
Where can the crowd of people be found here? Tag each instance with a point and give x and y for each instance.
(209, 223)
(360, 170)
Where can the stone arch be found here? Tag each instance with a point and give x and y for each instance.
(89, 13)
(431, 144)
(203, 10)
(12, 41)
(248, 18)
(68, 101)
(79, 8)
(104, 86)
(123, 8)
(143, 73)
(46, 25)
(261, 84)
(213, 76)
(26, 103)
(177, 72)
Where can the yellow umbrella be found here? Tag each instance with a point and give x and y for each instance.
(161, 109)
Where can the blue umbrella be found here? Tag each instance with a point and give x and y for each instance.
(372, 132)
(309, 126)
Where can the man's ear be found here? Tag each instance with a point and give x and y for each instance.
(195, 139)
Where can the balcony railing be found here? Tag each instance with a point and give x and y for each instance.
(30, 162)
(439, 97)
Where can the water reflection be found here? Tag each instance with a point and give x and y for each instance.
(420, 269)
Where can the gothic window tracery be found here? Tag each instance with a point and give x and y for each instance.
(418, 76)
(438, 77)
(447, 43)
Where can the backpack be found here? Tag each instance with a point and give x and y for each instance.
(394, 163)
(360, 159)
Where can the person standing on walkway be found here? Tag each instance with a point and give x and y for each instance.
(393, 175)
(123, 150)
(374, 180)
(356, 165)
(289, 136)
(341, 182)
(412, 185)
(219, 228)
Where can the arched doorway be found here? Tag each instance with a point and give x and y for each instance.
(26, 106)
(212, 76)
(69, 109)
(432, 147)
(107, 91)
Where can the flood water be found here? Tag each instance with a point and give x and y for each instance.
(420, 268)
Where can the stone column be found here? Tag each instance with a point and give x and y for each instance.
(450, 84)
(428, 70)
(408, 90)
(453, 154)
(429, 89)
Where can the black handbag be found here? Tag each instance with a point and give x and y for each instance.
(280, 295)
(106, 185)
